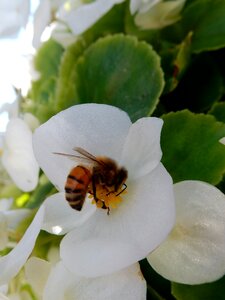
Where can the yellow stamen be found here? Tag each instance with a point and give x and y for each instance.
(107, 197)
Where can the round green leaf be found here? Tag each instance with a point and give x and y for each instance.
(66, 88)
(42, 93)
(191, 147)
(46, 62)
(121, 71)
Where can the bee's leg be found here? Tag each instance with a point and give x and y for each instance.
(95, 179)
(94, 187)
(125, 186)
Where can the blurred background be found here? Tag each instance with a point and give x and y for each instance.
(15, 54)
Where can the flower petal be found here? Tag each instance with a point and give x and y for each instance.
(15, 216)
(84, 16)
(18, 158)
(107, 243)
(162, 14)
(142, 151)
(42, 18)
(13, 15)
(141, 6)
(194, 252)
(3, 297)
(5, 204)
(94, 127)
(61, 34)
(11, 263)
(35, 267)
(60, 218)
(127, 284)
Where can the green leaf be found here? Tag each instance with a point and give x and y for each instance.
(47, 59)
(121, 71)
(66, 83)
(191, 148)
(42, 91)
(209, 291)
(46, 63)
(206, 18)
(218, 110)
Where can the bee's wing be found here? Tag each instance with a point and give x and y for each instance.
(77, 158)
(88, 155)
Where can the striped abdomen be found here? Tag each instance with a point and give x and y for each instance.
(76, 186)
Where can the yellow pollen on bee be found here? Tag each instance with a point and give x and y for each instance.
(107, 197)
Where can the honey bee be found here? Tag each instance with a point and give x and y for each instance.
(96, 172)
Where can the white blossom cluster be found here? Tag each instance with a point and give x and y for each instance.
(179, 228)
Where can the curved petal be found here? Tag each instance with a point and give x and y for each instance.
(194, 252)
(42, 18)
(60, 218)
(127, 284)
(162, 14)
(11, 263)
(99, 129)
(142, 151)
(107, 243)
(84, 16)
(18, 158)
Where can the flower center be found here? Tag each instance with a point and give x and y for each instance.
(107, 197)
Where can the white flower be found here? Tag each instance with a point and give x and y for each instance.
(127, 284)
(105, 243)
(222, 140)
(37, 272)
(5, 180)
(17, 157)
(13, 15)
(136, 227)
(57, 283)
(43, 18)
(62, 34)
(194, 252)
(9, 220)
(79, 17)
(12, 109)
(156, 14)
(12, 263)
